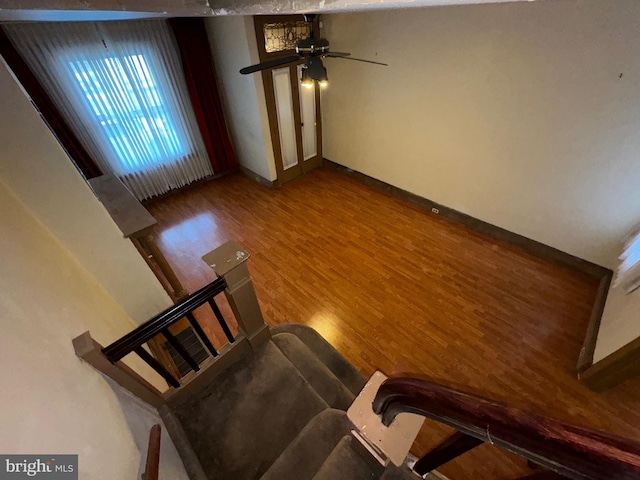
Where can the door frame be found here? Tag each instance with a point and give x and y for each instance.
(286, 175)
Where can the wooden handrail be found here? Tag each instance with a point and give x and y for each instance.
(569, 450)
(152, 465)
(145, 332)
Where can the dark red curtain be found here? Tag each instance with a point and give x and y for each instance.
(48, 110)
(197, 64)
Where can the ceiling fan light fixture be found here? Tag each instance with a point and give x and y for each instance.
(305, 80)
(323, 79)
(311, 50)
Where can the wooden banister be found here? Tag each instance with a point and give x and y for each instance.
(134, 339)
(571, 451)
(152, 465)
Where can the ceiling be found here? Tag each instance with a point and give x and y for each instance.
(81, 10)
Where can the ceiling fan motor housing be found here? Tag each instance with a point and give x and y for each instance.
(315, 69)
(311, 46)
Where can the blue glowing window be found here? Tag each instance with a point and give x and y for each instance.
(128, 104)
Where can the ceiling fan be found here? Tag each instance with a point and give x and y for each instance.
(312, 49)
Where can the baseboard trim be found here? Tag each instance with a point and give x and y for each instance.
(533, 247)
(258, 178)
(585, 359)
(613, 369)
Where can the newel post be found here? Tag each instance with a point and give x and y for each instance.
(229, 261)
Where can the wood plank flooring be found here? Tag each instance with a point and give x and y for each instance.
(397, 289)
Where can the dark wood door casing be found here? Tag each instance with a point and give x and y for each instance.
(291, 173)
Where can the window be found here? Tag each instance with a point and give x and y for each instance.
(121, 88)
(284, 35)
(117, 91)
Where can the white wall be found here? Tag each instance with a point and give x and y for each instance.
(33, 165)
(524, 115)
(233, 45)
(51, 401)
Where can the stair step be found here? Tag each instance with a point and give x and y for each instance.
(306, 454)
(346, 463)
(323, 381)
(241, 423)
(341, 368)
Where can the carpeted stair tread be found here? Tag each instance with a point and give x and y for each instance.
(241, 423)
(328, 386)
(339, 366)
(306, 454)
(345, 462)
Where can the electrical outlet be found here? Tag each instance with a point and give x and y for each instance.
(435, 210)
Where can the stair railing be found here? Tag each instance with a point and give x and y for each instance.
(159, 325)
(229, 263)
(568, 450)
(152, 465)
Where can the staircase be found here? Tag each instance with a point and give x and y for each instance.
(280, 413)
(281, 403)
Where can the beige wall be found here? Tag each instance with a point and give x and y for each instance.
(33, 165)
(523, 115)
(51, 401)
(516, 114)
(233, 45)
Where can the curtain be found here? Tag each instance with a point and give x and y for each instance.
(48, 110)
(197, 65)
(121, 88)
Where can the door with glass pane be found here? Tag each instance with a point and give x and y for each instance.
(297, 124)
(309, 123)
(294, 110)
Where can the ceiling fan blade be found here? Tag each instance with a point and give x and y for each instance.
(276, 62)
(359, 60)
(337, 54)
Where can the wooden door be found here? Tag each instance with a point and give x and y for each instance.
(293, 110)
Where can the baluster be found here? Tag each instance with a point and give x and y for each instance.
(157, 366)
(180, 349)
(198, 329)
(452, 447)
(221, 320)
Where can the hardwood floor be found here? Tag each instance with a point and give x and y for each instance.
(397, 289)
